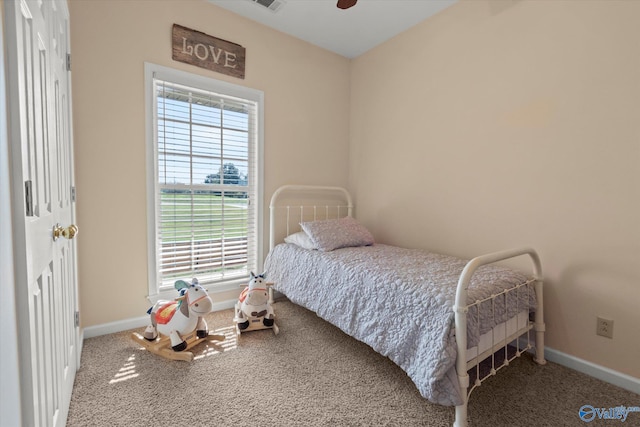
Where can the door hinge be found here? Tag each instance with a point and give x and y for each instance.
(28, 195)
(68, 62)
(77, 319)
(73, 194)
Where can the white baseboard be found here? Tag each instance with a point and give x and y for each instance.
(138, 322)
(602, 373)
(610, 376)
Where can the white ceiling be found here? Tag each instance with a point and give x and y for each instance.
(349, 32)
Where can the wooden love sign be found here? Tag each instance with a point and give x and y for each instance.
(202, 50)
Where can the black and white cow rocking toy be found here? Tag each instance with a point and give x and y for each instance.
(253, 310)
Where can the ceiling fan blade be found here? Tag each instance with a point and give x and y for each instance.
(346, 4)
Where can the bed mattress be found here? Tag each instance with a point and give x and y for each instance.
(399, 301)
(498, 334)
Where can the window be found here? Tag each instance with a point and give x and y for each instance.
(204, 180)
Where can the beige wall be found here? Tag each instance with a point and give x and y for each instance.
(501, 124)
(490, 125)
(306, 128)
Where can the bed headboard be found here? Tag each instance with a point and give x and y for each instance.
(292, 204)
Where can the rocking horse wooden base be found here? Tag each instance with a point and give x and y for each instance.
(162, 345)
(255, 323)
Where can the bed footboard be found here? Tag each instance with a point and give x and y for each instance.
(461, 308)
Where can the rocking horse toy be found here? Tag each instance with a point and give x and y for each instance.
(180, 321)
(253, 310)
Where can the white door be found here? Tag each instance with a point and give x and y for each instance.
(40, 138)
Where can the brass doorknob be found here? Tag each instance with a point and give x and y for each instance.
(68, 232)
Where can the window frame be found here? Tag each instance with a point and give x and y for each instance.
(154, 71)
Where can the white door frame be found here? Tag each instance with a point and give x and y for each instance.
(10, 402)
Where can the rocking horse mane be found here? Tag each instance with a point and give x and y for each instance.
(183, 288)
(183, 308)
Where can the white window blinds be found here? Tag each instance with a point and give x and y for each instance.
(206, 184)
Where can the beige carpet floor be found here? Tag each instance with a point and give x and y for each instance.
(311, 374)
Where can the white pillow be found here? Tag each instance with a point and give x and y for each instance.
(330, 234)
(301, 239)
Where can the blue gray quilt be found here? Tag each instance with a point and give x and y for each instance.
(399, 302)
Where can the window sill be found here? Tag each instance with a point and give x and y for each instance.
(170, 294)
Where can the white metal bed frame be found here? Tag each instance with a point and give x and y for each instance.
(460, 308)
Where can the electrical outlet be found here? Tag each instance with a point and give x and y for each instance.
(605, 327)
